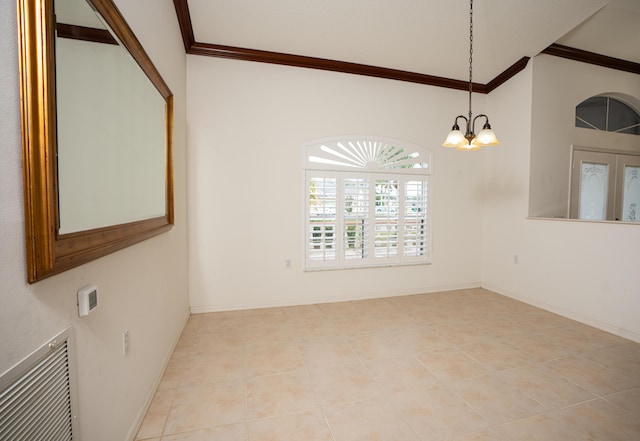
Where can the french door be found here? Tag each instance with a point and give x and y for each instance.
(605, 186)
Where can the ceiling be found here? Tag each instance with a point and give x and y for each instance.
(424, 36)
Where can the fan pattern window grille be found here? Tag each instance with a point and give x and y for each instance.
(367, 154)
(367, 204)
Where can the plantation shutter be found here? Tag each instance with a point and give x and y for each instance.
(366, 204)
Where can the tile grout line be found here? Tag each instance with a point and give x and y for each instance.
(393, 404)
(315, 394)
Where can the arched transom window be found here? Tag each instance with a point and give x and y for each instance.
(608, 113)
(367, 203)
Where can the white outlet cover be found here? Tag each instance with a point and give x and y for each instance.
(125, 342)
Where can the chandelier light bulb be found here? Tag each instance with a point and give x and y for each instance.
(468, 147)
(486, 137)
(455, 138)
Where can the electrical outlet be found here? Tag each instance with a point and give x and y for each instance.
(287, 263)
(125, 343)
(515, 258)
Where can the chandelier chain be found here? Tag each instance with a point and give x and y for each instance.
(470, 54)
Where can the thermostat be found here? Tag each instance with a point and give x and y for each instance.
(87, 300)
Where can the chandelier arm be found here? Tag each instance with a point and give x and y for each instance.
(467, 122)
(455, 122)
(486, 123)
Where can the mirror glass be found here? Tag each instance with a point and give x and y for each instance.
(110, 127)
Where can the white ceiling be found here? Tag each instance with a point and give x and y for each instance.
(423, 36)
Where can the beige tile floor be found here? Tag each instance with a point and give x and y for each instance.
(462, 365)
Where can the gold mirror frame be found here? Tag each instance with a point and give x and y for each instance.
(49, 252)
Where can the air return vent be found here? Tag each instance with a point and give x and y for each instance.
(37, 397)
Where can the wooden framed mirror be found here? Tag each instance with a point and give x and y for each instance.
(97, 159)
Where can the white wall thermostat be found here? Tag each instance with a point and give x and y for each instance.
(87, 300)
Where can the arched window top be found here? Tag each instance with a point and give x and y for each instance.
(368, 154)
(609, 113)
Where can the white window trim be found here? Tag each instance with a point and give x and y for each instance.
(370, 171)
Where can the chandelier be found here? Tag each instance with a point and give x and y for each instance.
(469, 140)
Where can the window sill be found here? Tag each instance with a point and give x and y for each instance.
(395, 265)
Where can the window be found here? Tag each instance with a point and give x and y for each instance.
(367, 204)
(607, 113)
(605, 178)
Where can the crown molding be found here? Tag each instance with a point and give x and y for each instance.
(236, 53)
(193, 47)
(75, 32)
(571, 53)
(505, 76)
(184, 20)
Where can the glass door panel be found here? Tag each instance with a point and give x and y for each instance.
(631, 195)
(628, 188)
(592, 185)
(593, 191)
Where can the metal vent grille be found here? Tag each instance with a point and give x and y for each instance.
(36, 396)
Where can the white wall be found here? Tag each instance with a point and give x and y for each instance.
(142, 288)
(583, 270)
(247, 124)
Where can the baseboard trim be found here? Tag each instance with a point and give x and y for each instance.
(203, 309)
(589, 321)
(137, 423)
